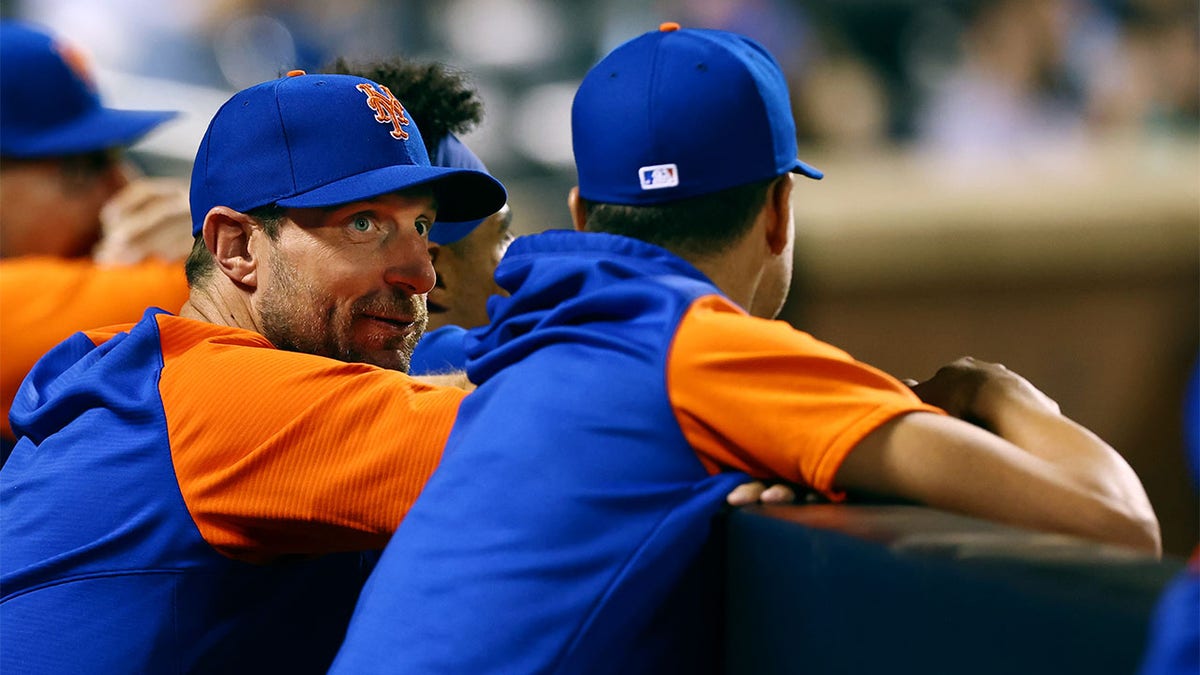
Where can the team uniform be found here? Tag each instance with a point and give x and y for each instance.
(44, 300)
(174, 480)
(621, 398)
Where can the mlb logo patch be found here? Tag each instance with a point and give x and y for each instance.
(659, 176)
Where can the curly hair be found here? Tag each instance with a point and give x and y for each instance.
(439, 97)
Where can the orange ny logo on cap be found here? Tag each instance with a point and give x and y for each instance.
(387, 109)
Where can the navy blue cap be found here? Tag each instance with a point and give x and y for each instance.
(322, 140)
(49, 106)
(452, 152)
(678, 113)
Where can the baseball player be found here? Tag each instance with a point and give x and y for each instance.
(189, 492)
(636, 376)
(84, 241)
(465, 254)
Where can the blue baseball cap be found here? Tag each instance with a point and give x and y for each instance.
(49, 105)
(452, 152)
(308, 141)
(678, 113)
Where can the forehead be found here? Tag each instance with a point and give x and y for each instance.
(420, 197)
(408, 205)
(414, 202)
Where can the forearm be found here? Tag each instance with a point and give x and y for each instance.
(1020, 413)
(949, 464)
(1029, 434)
(1078, 454)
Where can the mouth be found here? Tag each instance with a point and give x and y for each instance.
(400, 324)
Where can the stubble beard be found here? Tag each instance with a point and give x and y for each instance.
(295, 317)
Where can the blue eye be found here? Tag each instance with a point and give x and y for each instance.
(361, 224)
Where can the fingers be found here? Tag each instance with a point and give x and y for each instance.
(148, 219)
(759, 492)
(778, 494)
(746, 493)
(140, 194)
(972, 389)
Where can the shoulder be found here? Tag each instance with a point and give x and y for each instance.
(714, 322)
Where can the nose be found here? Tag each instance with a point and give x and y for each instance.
(410, 265)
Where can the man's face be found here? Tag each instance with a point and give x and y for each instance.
(52, 206)
(349, 282)
(465, 272)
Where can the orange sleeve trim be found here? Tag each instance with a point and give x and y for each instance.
(761, 397)
(44, 301)
(279, 453)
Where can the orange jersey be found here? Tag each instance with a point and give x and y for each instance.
(184, 494)
(272, 453)
(282, 453)
(43, 300)
(761, 397)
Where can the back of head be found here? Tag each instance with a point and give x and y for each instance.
(681, 127)
(49, 104)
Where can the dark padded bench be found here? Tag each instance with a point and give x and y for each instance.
(823, 588)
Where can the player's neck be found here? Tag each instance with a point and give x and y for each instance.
(736, 271)
(219, 304)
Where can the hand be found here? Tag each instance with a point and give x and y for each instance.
(974, 390)
(148, 218)
(760, 492)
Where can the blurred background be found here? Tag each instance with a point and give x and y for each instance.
(1018, 180)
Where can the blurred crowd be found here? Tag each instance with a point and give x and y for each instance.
(969, 78)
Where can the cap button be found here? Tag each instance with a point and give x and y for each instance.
(295, 73)
(668, 26)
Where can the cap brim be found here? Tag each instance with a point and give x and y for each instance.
(447, 232)
(462, 194)
(807, 170)
(101, 129)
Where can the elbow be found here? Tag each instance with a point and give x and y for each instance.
(1150, 536)
(1134, 528)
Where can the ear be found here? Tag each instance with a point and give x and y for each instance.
(578, 213)
(227, 236)
(778, 212)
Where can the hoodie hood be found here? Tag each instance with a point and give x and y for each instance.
(81, 375)
(562, 279)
